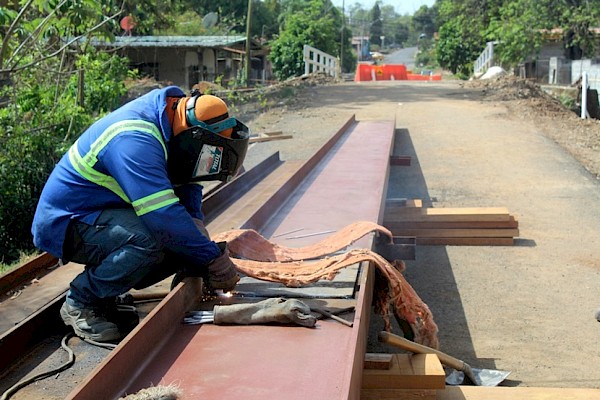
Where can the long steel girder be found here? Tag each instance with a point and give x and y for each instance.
(345, 181)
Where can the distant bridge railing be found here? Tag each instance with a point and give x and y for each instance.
(316, 60)
(485, 59)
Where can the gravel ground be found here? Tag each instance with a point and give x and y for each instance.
(527, 308)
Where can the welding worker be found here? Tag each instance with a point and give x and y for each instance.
(125, 201)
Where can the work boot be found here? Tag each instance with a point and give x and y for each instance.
(89, 323)
(125, 316)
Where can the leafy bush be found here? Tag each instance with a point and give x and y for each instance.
(457, 48)
(39, 122)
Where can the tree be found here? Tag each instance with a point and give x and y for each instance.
(518, 30)
(580, 40)
(401, 32)
(423, 22)
(149, 16)
(394, 27)
(318, 25)
(53, 86)
(376, 30)
(518, 26)
(462, 32)
(457, 47)
(41, 31)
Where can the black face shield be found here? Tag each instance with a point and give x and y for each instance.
(197, 154)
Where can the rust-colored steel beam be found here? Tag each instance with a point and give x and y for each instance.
(268, 362)
(225, 195)
(269, 208)
(31, 269)
(15, 342)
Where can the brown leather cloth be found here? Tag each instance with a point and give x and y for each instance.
(257, 257)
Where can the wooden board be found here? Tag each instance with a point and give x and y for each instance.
(466, 241)
(482, 393)
(408, 371)
(458, 233)
(399, 226)
(478, 226)
(398, 394)
(378, 361)
(400, 203)
(451, 214)
(269, 138)
(516, 393)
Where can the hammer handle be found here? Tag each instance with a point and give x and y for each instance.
(398, 341)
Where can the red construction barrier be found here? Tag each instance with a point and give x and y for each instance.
(389, 72)
(385, 72)
(418, 77)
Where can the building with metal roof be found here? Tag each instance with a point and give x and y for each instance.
(186, 60)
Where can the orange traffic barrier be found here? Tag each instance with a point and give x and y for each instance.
(389, 72)
(385, 72)
(418, 77)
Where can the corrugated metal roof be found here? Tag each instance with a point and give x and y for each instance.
(173, 41)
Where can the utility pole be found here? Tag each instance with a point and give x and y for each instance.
(248, 37)
(342, 39)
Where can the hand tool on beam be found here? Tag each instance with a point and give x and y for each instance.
(479, 377)
(334, 317)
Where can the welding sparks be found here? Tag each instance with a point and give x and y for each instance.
(222, 294)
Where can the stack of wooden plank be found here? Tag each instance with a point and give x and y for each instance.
(470, 226)
(402, 376)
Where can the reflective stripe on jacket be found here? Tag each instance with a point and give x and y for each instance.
(85, 166)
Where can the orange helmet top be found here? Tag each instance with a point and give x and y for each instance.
(207, 111)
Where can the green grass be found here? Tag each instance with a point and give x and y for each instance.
(25, 257)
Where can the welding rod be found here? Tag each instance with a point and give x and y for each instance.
(288, 232)
(310, 234)
(332, 316)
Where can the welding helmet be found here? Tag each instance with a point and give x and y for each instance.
(214, 145)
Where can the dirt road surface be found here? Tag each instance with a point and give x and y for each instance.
(527, 308)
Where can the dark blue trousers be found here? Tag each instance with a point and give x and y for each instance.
(119, 253)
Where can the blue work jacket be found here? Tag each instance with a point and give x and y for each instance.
(121, 161)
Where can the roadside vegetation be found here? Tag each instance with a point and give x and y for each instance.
(53, 83)
(518, 27)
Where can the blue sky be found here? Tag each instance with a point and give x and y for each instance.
(401, 6)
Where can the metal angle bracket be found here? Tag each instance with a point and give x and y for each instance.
(401, 248)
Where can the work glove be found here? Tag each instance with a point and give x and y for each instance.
(221, 271)
(271, 310)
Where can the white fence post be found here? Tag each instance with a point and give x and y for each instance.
(316, 61)
(485, 59)
(584, 89)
